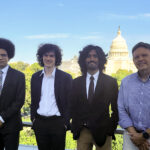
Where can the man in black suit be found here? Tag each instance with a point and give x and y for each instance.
(49, 100)
(12, 96)
(92, 95)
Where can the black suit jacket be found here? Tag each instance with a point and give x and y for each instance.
(11, 100)
(62, 86)
(95, 113)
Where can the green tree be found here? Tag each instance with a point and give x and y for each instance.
(21, 66)
(74, 75)
(120, 74)
(34, 67)
(28, 74)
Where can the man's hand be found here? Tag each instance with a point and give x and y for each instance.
(144, 146)
(139, 141)
(137, 138)
(1, 124)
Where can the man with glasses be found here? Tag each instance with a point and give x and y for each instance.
(12, 96)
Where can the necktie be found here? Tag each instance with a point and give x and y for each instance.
(91, 89)
(1, 75)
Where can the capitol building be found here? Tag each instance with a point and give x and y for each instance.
(118, 58)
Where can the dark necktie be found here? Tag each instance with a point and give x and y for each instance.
(91, 89)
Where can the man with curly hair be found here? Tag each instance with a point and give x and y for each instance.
(12, 96)
(92, 95)
(49, 99)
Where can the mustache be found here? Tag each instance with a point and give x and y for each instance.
(92, 62)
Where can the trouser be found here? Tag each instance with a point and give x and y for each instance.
(86, 141)
(50, 133)
(9, 141)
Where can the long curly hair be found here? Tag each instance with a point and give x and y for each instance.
(44, 48)
(84, 54)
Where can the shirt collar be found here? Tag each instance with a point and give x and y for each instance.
(5, 69)
(53, 72)
(138, 76)
(94, 75)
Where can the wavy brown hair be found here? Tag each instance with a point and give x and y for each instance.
(84, 54)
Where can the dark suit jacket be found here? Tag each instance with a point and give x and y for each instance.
(11, 100)
(62, 86)
(95, 113)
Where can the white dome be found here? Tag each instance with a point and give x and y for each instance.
(118, 44)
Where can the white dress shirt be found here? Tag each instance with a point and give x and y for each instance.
(47, 105)
(88, 81)
(4, 70)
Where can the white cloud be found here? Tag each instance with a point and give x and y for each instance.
(48, 36)
(119, 16)
(90, 37)
(146, 15)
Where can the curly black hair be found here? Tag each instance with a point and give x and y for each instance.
(8, 46)
(140, 44)
(84, 54)
(44, 48)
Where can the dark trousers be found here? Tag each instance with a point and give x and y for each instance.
(9, 141)
(50, 133)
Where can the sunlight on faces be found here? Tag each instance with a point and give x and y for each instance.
(141, 59)
(92, 61)
(49, 59)
(3, 58)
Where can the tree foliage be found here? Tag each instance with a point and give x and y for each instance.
(120, 74)
(21, 66)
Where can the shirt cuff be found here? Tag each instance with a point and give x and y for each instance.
(125, 124)
(1, 119)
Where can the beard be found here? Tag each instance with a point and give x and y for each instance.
(92, 66)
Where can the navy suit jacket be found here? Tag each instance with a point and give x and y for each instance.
(96, 113)
(11, 100)
(62, 87)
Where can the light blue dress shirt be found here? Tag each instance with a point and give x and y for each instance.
(134, 103)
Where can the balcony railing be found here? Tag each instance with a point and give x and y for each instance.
(118, 131)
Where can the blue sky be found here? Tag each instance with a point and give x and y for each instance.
(72, 24)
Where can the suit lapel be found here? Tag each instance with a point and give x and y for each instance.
(57, 84)
(39, 83)
(99, 90)
(8, 79)
(83, 87)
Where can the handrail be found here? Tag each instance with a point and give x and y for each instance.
(118, 130)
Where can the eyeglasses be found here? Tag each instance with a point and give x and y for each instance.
(3, 55)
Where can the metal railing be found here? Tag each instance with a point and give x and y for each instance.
(118, 130)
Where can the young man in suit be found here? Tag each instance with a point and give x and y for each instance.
(49, 99)
(92, 95)
(12, 96)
